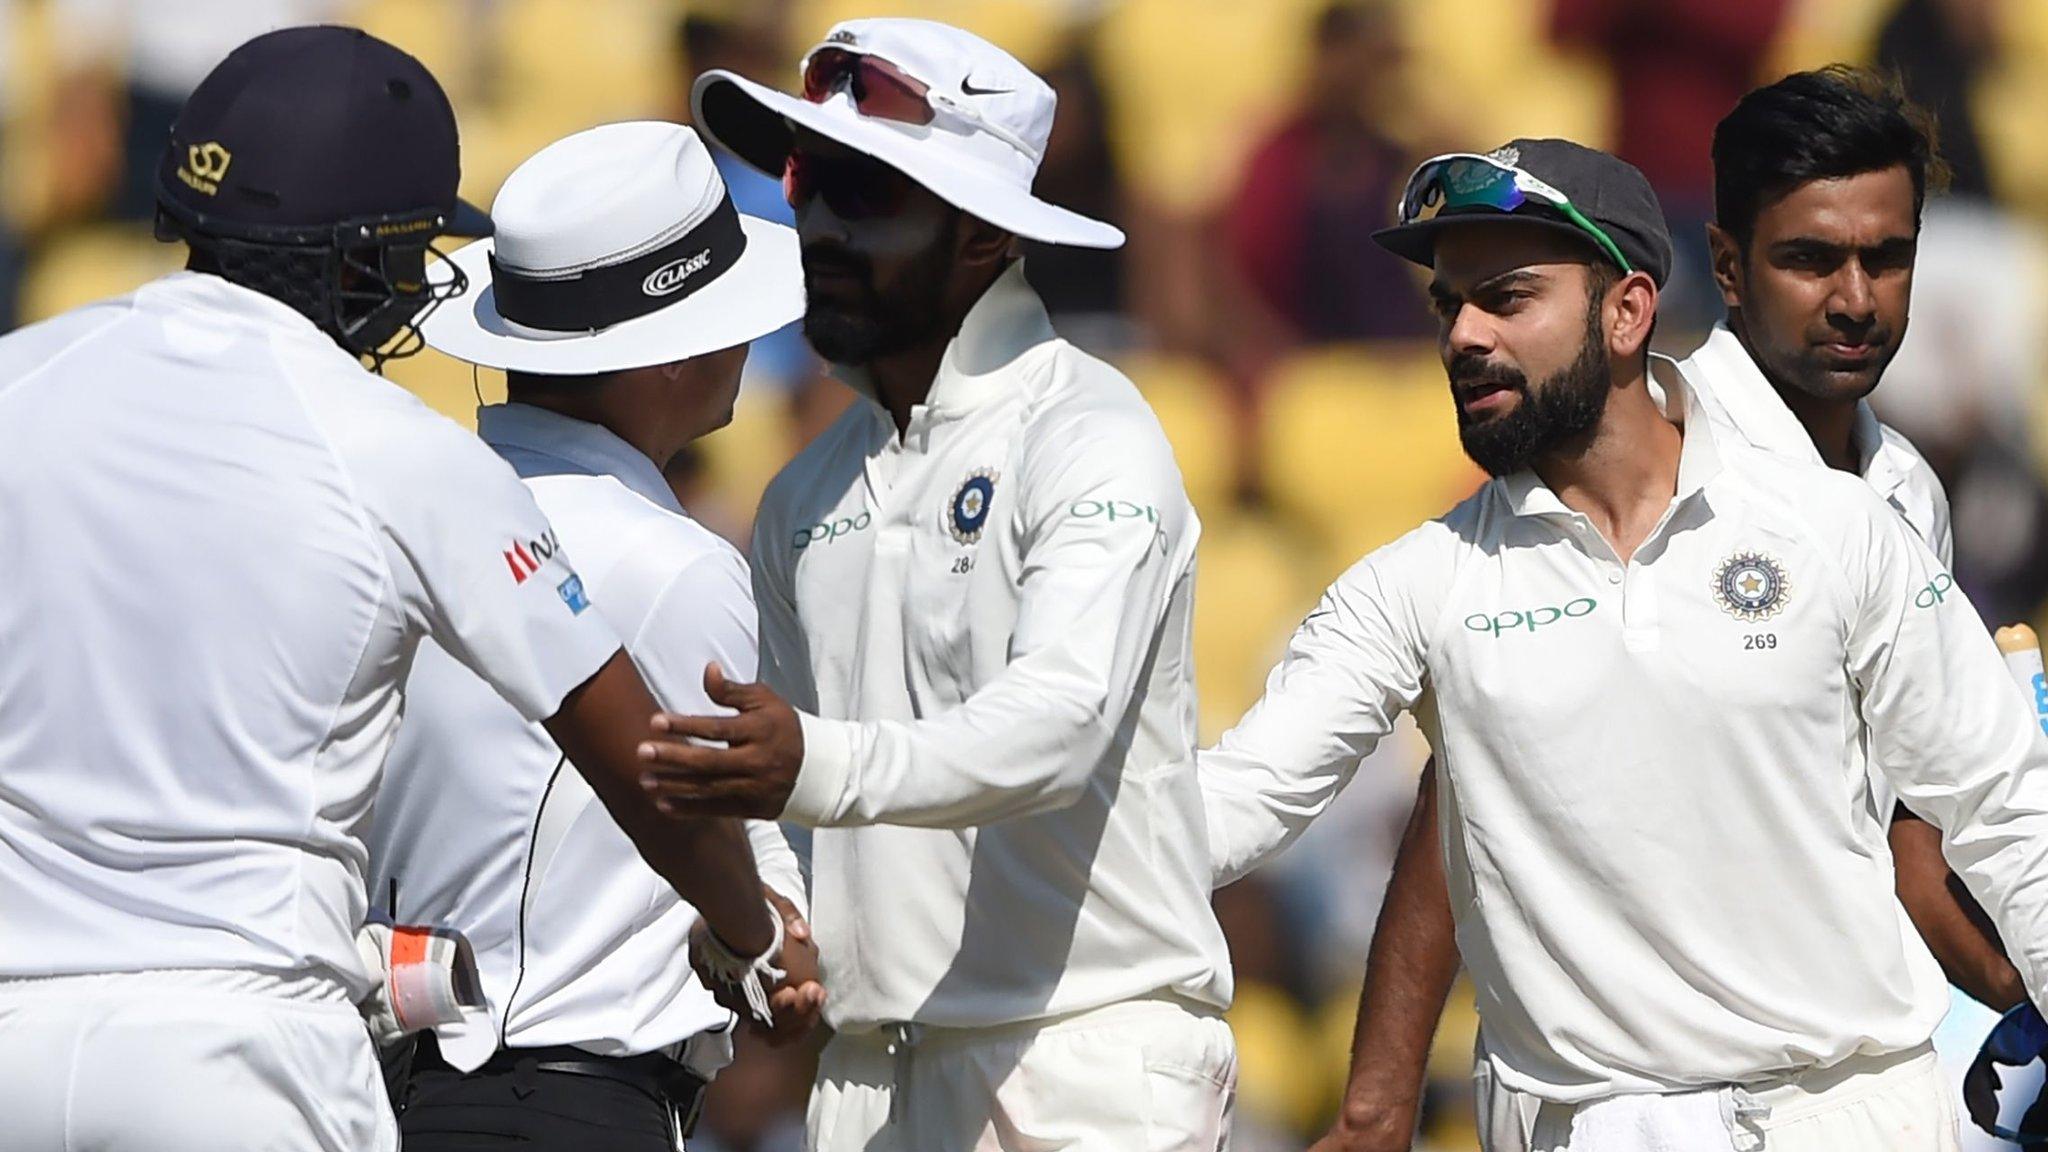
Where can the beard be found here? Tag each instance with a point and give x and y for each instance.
(859, 327)
(1563, 408)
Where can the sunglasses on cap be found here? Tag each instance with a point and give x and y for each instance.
(885, 92)
(853, 187)
(2019, 1038)
(1466, 180)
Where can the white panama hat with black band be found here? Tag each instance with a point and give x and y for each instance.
(617, 248)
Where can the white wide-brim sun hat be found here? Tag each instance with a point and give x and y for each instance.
(980, 153)
(617, 248)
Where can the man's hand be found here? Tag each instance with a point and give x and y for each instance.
(798, 1001)
(752, 776)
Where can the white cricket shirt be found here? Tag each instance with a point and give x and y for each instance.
(226, 540)
(986, 622)
(1249, 826)
(1664, 858)
(483, 826)
(1736, 395)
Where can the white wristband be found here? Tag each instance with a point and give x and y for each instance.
(753, 977)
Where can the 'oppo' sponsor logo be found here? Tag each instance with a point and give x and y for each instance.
(1529, 618)
(670, 276)
(1936, 591)
(526, 557)
(829, 531)
(1113, 510)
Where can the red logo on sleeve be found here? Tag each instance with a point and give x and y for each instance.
(526, 557)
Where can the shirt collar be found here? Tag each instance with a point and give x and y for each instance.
(537, 442)
(1008, 321)
(1759, 414)
(1699, 461)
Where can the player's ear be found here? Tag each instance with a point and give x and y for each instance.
(982, 243)
(1726, 261)
(1632, 315)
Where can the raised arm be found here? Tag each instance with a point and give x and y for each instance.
(1350, 669)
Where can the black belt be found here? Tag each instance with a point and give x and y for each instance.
(672, 1085)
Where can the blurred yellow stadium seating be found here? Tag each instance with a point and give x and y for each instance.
(24, 80)
(1031, 30)
(1487, 71)
(1194, 408)
(1254, 582)
(1362, 444)
(526, 72)
(448, 385)
(1192, 84)
(1450, 1059)
(2008, 107)
(86, 264)
(1272, 1036)
(743, 456)
(1818, 32)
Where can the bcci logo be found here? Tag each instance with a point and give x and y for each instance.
(205, 166)
(1751, 586)
(968, 514)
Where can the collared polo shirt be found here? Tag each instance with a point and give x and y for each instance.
(485, 827)
(985, 620)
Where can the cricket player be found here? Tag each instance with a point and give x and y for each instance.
(595, 1032)
(228, 540)
(1822, 179)
(1656, 663)
(976, 587)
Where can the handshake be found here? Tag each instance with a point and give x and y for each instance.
(427, 976)
(778, 993)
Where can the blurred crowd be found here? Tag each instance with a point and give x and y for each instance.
(1249, 149)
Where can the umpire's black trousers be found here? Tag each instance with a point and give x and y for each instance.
(515, 1102)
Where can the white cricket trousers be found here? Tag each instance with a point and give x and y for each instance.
(1895, 1103)
(187, 1061)
(1153, 1075)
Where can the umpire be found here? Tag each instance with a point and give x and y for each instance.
(225, 540)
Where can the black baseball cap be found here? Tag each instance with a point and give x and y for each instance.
(303, 129)
(1606, 200)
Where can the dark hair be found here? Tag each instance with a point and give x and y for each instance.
(1827, 124)
(1601, 275)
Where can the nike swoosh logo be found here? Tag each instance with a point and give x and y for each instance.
(967, 87)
